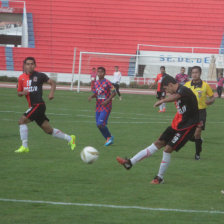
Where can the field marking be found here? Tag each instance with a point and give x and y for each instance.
(112, 206)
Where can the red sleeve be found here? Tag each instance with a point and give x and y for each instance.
(20, 85)
(157, 78)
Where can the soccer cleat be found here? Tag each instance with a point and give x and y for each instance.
(160, 111)
(72, 142)
(109, 141)
(120, 98)
(125, 162)
(197, 157)
(164, 110)
(157, 180)
(22, 149)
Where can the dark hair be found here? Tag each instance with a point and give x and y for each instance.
(196, 67)
(102, 68)
(182, 68)
(168, 79)
(29, 58)
(162, 67)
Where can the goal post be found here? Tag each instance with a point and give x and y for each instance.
(146, 65)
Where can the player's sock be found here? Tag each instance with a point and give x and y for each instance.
(144, 154)
(164, 164)
(161, 107)
(198, 145)
(164, 106)
(23, 130)
(59, 134)
(105, 132)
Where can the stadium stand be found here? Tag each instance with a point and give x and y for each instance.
(115, 26)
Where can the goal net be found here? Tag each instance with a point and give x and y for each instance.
(144, 67)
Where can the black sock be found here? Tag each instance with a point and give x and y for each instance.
(198, 145)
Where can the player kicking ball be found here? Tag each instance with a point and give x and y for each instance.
(175, 136)
(103, 91)
(30, 85)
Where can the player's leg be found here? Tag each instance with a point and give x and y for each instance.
(178, 140)
(198, 143)
(102, 125)
(197, 134)
(163, 105)
(23, 130)
(149, 151)
(118, 91)
(45, 125)
(42, 120)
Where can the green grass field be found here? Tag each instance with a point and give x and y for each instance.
(51, 172)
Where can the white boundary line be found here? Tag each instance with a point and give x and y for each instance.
(112, 206)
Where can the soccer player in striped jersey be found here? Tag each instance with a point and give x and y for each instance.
(30, 85)
(175, 136)
(104, 92)
(205, 97)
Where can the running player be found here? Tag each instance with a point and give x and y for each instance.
(116, 81)
(30, 85)
(103, 91)
(161, 94)
(175, 136)
(202, 90)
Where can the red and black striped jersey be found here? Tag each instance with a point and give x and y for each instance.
(187, 109)
(33, 84)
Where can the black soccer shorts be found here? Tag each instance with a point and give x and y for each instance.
(177, 138)
(159, 95)
(37, 113)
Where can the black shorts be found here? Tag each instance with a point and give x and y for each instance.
(37, 113)
(159, 95)
(177, 139)
(202, 118)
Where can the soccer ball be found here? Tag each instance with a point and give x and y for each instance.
(89, 154)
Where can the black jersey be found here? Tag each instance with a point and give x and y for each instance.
(33, 84)
(187, 109)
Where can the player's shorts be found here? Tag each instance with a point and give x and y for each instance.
(102, 117)
(202, 118)
(177, 139)
(37, 113)
(159, 94)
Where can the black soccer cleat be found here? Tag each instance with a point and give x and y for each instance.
(125, 162)
(197, 157)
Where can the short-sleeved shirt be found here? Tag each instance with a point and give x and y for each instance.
(201, 90)
(181, 78)
(187, 109)
(33, 84)
(158, 79)
(103, 89)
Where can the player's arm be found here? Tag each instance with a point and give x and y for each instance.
(112, 95)
(91, 97)
(171, 98)
(52, 83)
(210, 94)
(20, 89)
(211, 100)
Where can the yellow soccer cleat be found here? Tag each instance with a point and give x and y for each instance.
(72, 142)
(22, 149)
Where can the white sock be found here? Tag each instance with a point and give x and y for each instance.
(144, 154)
(23, 130)
(164, 106)
(59, 134)
(164, 164)
(161, 107)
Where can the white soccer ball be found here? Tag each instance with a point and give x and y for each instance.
(89, 154)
